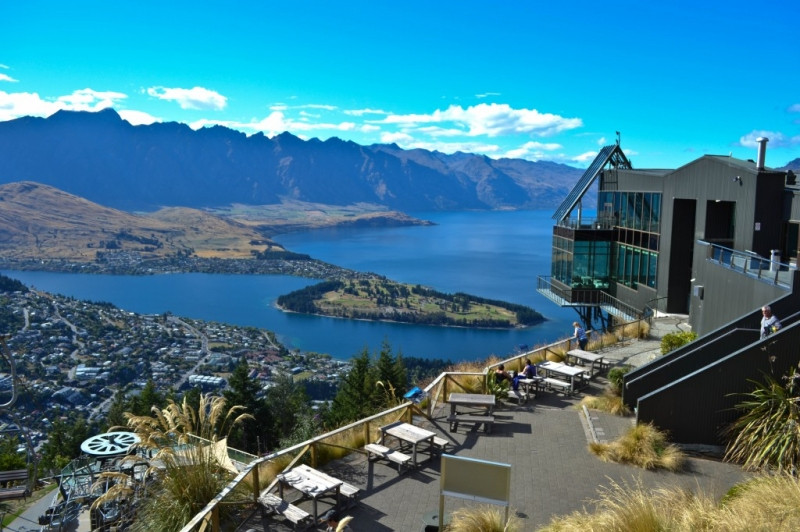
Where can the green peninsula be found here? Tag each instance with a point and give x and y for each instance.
(384, 300)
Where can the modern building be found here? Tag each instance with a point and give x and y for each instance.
(715, 239)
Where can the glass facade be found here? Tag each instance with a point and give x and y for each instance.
(581, 262)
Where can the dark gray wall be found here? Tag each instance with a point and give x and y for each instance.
(728, 294)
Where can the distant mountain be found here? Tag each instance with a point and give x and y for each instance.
(38, 221)
(106, 160)
(792, 165)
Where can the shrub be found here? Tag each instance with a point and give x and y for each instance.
(767, 435)
(673, 341)
(643, 446)
(615, 375)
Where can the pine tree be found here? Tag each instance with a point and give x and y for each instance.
(242, 390)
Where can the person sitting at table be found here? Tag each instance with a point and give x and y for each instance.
(528, 372)
(500, 374)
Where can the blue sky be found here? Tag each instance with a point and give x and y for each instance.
(535, 80)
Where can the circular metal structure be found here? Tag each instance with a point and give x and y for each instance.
(109, 443)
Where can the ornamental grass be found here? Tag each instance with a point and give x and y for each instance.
(607, 402)
(482, 518)
(643, 446)
(763, 503)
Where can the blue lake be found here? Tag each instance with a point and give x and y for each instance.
(496, 255)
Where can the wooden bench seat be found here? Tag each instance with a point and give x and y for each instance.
(564, 386)
(519, 395)
(454, 420)
(440, 444)
(10, 479)
(275, 505)
(20, 492)
(350, 494)
(379, 451)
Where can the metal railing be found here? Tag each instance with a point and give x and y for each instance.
(591, 297)
(751, 264)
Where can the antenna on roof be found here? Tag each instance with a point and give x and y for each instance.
(617, 138)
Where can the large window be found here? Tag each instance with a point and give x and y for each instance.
(635, 266)
(581, 264)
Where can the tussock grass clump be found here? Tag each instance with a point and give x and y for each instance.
(762, 503)
(482, 518)
(607, 402)
(624, 508)
(644, 446)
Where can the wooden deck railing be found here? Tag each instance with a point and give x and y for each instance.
(261, 473)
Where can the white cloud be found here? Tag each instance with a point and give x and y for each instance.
(368, 128)
(584, 158)
(194, 98)
(794, 108)
(533, 151)
(17, 104)
(6, 77)
(138, 118)
(776, 139)
(601, 141)
(362, 112)
(89, 100)
(487, 95)
(491, 120)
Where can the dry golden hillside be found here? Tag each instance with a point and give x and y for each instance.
(39, 221)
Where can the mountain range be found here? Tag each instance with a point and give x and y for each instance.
(104, 159)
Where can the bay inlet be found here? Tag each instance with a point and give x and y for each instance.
(495, 255)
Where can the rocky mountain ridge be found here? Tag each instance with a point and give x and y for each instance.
(100, 157)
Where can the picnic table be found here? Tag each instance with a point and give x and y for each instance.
(410, 434)
(556, 373)
(311, 483)
(483, 403)
(579, 356)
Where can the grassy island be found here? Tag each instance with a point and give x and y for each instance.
(381, 299)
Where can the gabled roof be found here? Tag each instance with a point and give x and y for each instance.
(608, 155)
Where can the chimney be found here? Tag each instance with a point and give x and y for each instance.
(762, 152)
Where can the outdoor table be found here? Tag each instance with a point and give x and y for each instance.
(471, 400)
(573, 373)
(579, 356)
(408, 433)
(311, 483)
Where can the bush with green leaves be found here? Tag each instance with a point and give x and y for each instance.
(767, 434)
(615, 375)
(673, 341)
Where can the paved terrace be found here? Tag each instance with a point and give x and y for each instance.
(546, 442)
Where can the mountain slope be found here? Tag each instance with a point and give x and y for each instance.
(103, 158)
(42, 222)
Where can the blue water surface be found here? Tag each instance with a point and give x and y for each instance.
(496, 255)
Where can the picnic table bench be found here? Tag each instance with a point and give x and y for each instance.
(375, 450)
(273, 504)
(14, 491)
(455, 419)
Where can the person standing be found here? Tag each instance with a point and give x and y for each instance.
(580, 335)
(769, 322)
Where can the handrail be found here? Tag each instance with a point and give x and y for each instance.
(750, 264)
(406, 409)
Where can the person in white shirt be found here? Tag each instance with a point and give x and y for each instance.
(769, 322)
